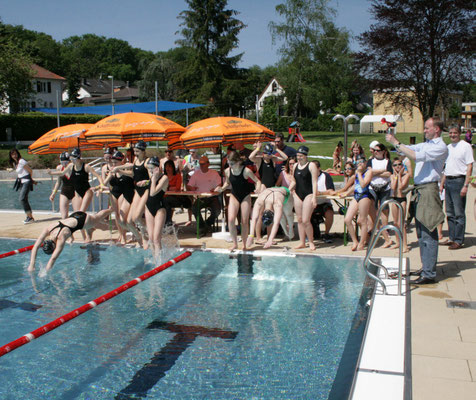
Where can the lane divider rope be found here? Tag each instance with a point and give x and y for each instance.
(88, 306)
(18, 251)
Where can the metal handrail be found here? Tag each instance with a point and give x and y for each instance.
(373, 240)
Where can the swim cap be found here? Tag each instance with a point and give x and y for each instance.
(268, 217)
(49, 246)
(268, 149)
(154, 161)
(76, 153)
(64, 156)
(141, 145)
(373, 145)
(118, 156)
(303, 150)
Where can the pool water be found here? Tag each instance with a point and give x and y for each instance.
(210, 327)
(39, 198)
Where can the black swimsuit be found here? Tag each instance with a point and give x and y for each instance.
(155, 203)
(140, 174)
(122, 185)
(80, 181)
(80, 217)
(303, 179)
(267, 173)
(67, 188)
(240, 187)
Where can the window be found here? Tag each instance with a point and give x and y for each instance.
(51, 104)
(43, 87)
(33, 104)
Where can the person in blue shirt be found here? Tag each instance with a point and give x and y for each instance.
(430, 157)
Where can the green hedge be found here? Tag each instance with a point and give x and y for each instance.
(30, 126)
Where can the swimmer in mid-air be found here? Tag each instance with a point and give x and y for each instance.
(53, 237)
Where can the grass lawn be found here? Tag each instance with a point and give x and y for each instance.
(319, 143)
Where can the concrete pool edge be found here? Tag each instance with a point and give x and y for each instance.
(385, 361)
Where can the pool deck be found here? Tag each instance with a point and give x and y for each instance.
(443, 345)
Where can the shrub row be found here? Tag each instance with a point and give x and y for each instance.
(30, 126)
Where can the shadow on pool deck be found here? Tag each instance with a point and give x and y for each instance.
(443, 338)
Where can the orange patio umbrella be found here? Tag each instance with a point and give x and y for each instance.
(132, 127)
(62, 139)
(224, 131)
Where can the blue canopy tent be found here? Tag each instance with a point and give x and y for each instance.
(148, 107)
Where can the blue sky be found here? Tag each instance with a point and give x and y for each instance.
(152, 24)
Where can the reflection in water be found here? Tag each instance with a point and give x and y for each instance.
(93, 250)
(245, 264)
(4, 303)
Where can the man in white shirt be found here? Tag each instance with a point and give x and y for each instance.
(429, 157)
(456, 178)
(204, 180)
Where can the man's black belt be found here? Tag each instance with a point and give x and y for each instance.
(456, 177)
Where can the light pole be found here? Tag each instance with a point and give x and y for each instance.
(112, 92)
(346, 122)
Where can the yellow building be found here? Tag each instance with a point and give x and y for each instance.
(413, 121)
(469, 115)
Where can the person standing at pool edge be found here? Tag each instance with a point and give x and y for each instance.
(430, 157)
(24, 182)
(456, 178)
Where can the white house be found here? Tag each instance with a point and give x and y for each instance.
(91, 88)
(272, 89)
(46, 85)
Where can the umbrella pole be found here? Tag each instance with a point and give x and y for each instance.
(223, 234)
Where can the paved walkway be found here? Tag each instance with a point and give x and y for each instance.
(443, 338)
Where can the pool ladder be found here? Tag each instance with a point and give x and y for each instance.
(373, 240)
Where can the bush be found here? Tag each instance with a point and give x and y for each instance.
(30, 126)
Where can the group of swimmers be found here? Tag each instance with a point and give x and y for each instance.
(138, 189)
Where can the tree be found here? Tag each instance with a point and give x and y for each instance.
(15, 76)
(418, 51)
(163, 69)
(315, 66)
(40, 47)
(211, 33)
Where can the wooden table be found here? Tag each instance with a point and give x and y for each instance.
(195, 195)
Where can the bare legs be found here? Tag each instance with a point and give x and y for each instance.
(304, 211)
(135, 215)
(64, 203)
(362, 208)
(233, 208)
(403, 229)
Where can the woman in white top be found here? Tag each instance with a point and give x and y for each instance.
(24, 182)
(380, 188)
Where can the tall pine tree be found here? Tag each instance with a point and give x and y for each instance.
(211, 74)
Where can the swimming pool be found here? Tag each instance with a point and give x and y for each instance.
(39, 198)
(209, 327)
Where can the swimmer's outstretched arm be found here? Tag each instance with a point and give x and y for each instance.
(37, 245)
(59, 248)
(257, 208)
